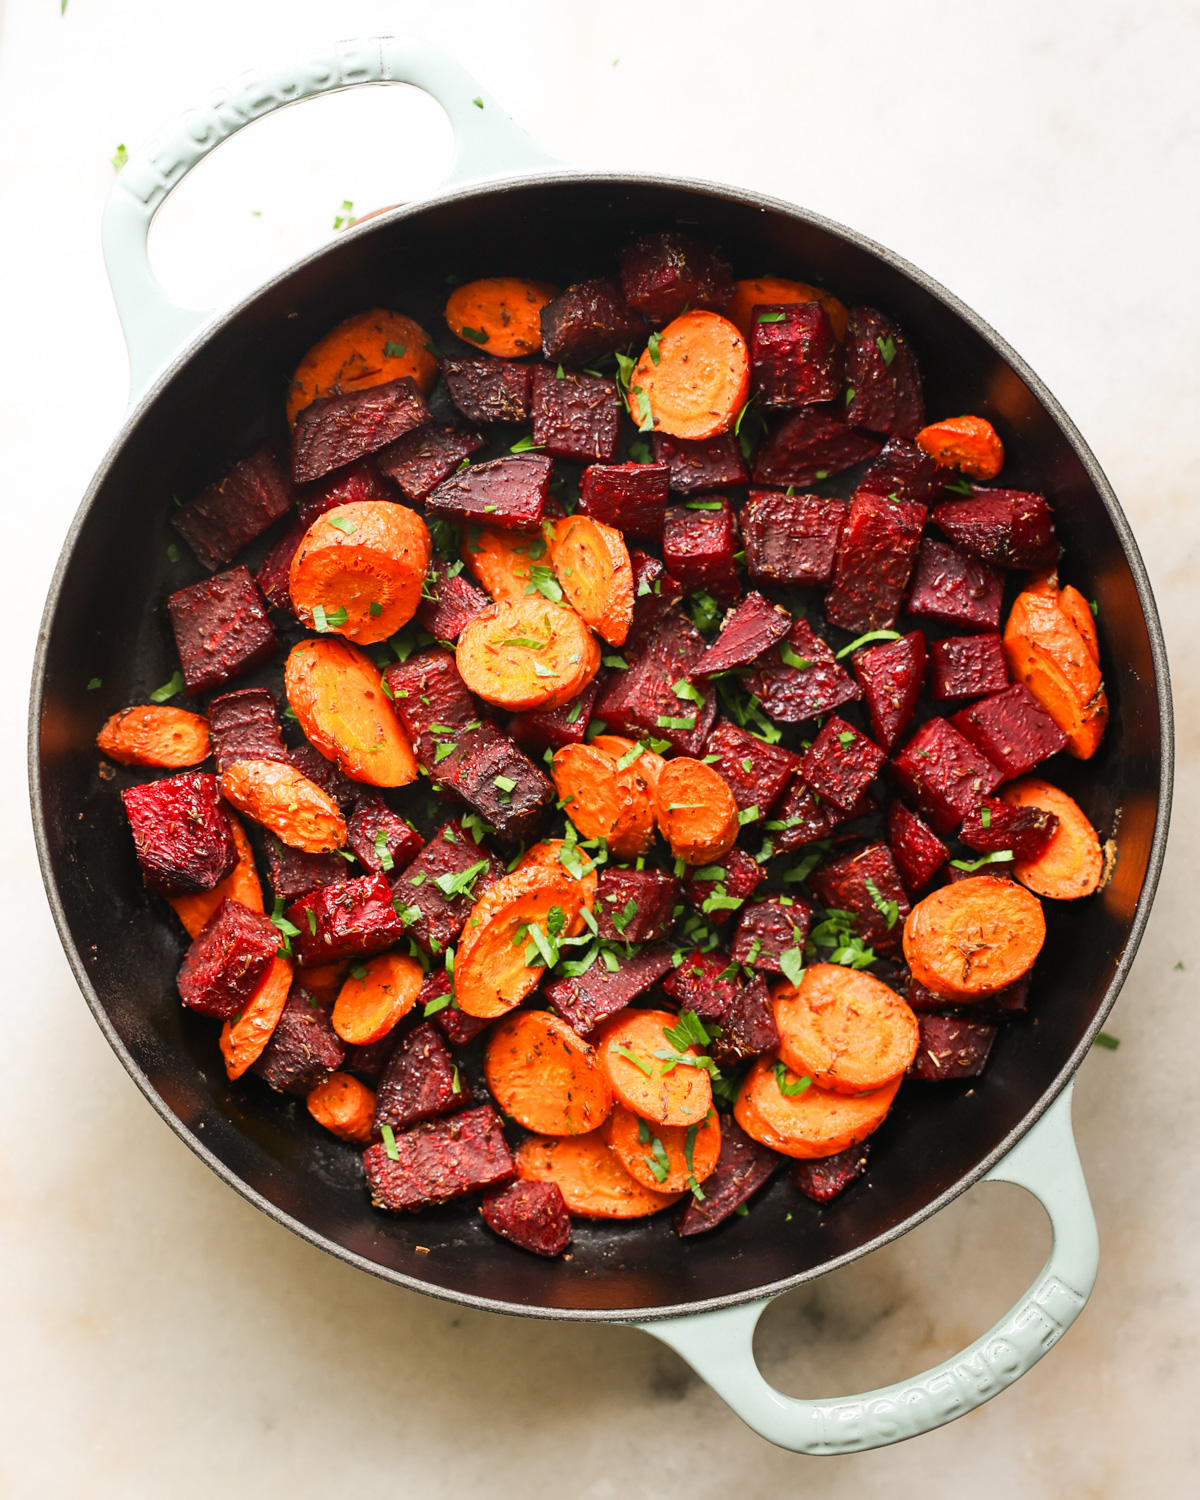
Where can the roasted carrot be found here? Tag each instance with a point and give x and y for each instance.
(1046, 651)
(664, 1158)
(345, 1106)
(377, 993)
(155, 734)
(527, 653)
(501, 560)
(776, 290)
(779, 1109)
(593, 567)
(844, 1029)
(362, 566)
(971, 939)
(336, 692)
(699, 381)
(591, 1179)
(1072, 863)
(367, 349)
(295, 809)
(649, 765)
(604, 799)
(244, 1037)
(500, 314)
(557, 855)
(696, 811)
(650, 1074)
(491, 974)
(1079, 612)
(324, 981)
(545, 1076)
(970, 444)
(241, 883)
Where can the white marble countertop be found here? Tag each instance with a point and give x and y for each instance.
(163, 1338)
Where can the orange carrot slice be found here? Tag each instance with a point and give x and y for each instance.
(491, 975)
(501, 560)
(337, 694)
(698, 383)
(500, 314)
(360, 569)
(644, 1068)
(344, 1106)
(155, 734)
(1059, 666)
(591, 1179)
(295, 809)
(545, 1076)
(368, 349)
(777, 290)
(378, 992)
(664, 1158)
(968, 940)
(1072, 863)
(241, 883)
(605, 800)
(696, 811)
(802, 1120)
(527, 653)
(844, 1029)
(593, 567)
(244, 1037)
(970, 444)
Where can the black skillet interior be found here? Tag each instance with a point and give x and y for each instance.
(109, 623)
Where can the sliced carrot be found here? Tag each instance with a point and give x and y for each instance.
(777, 290)
(324, 981)
(1079, 612)
(500, 314)
(970, 444)
(699, 381)
(696, 811)
(549, 855)
(968, 940)
(363, 566)
(241, 883)
(295, 809)
(345, 1106)
(527, 653)
(844, 1029)
(501, 560)
(1046, 652)
(545, 1076)
(336, 692)
(244, 1037)
(367, 349)
(378, 992)
(648, 763)
(591, 1179)
(155, 734)
(593, 567)
(812, 1123)
(643, 1066)
(490, 972)
(664, 1158)
(1072, 863)
(605, 800)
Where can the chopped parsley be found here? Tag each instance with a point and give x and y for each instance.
(382, 852)
(652, 345)
(325, 620)
(792, 658)
(343, 524)
(341, 221)
(890, 910)
(789, 1090)
(632, 1057)
(161, 694)
(997, 857)
(542, 581)
(394, 351)
(887, 348)
(871, 635)
(775, 317)
(526, 445)
(1104, 1039)
(476, 335)
(389, 1138)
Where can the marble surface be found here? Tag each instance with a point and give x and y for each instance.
(160, 1336)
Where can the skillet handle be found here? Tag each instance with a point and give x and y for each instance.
(487, 143)
(719, 1345)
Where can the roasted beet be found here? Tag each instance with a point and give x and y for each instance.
(750, 629)
(455, 1025)
(275, 569)
(228, 957)
(356, 483)
(438, 1161)
(917, 850)
(1012, 729)
(883, 384)
(696, 983)
(944, 774)
(631, 497)
(436, 913)
(335, 430)
(530, 1214)
(742, 1168)
(454, 603)
(243, 725)
(369, 1060)
(996, 825)
(841, 763)
(654, 592)
(811, 444)
(420, 460)
(903, 472)
(891, 677)
(967, 666)
(381, 838)
(588, 320)
(806, 682)
(635, 906)
(432, 702)
(800, 818)
(181, 833)
(488, 390)
(846, 885)
(825, 1177)
(541, 729)
(575, 416)
(1007, 528)
(420, 1081)
(334, 783)
(726, 886)
(642, 700)
(1002, 1006)
(661, 274)
(748, 1026)
(304, 1048)
(700, 463)
(294, 873)
(700, 538)
(509, 492)
(343, 921)
(583, 1002)
(491, 774)
(795, 358)
(221, 629)
(768, 929)
(875, 557)
(951, 1048)
(219, 522)
(948, 585)
(756, 772)
(791, 538)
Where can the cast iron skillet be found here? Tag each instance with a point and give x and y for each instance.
(105, 619)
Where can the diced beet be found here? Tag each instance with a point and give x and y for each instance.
(420, 1081)
(917, 850)
(700, 463)
(841, 885)
(882, 380)
(1002, 1006)
(791, 538)
(951, 1048)
(355, 484)
(654, 592)
(369, 1060)
(635, 906)
(275, 569)
(335, 430)
(451, 851)
(891, 677)
(967, 666)
(996, 825)
(244, 725)
(750, 629)
(841, 763)
(740, 877)
(903, 472)
(218, 523)
(530, 1214)
(1012, 729)
(795, 357)
(227, 958)
(492, 775)
(791, 693)
(455, 603)
(294, 873)
(800, 818)
(824, 1177)
(488, 390)
(631, 497)
(221, 629)
(439, 1161)
(948, 585)
(583, 1002)
(381, 838)
(432, 702)
(875, 557)
(642, 701)
(696, 984)
(455, 1025)
(509, 492)
(749, 1026)
(346, 920)
(589, 319)
(1007, 528)
(756, 772)
(944, 774)
(742, 1168)
(768, 929)
(661, 274)
(575, 416)
(811, 444)
(541, 729)
(304, 1048)
(420, 460)
(309, 761)
(181, 833)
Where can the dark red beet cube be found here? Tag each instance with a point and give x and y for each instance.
(420, 460)
(792, 693)
(891, 677)
(218, 523)
(756, 772)
(903, 472)
(275, 569)
(635, 906)
(221, 629)
(800, 818)
(811, 444)
(841, 763)
(795, 357)
(228, 957)
(842, 885)
(455, 602)
(948, 585)
(951, 1048)
(488, 771)
(700, 463)
(455, 1025)
(381, 838)
(575, 416)
(530, 1214)
(768, 929)
(344, 921)
(432, 702)
(439, 1161)
(1007, 528)
(356, 483)
(420, 1081)
(243, 725)
(750, 629)
(541, 729)
(433, 917)
(824, 1177)
(696, 984)
(591, 997)
(967, 666)
(742, 1168)
(917, 850)
(304, 1048)
(294, 873)
(631, 497)
(729, 885)
(335, 430)
(1012, 729)
(334, 783)
(791, 538)
(654, 592)
(882, 374)
(369, 1060)
(488, 390)
(664, 273)
(642, 700)
(181, 833)
(875, 557)
(588, 320)
(993, 825)
(749, 1026)
(509, 492)
(944, 774)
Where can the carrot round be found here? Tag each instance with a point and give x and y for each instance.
(246, 1034)
(501, 560)
(324, 981)
(649, 765)
(1072, 863)
(968, 940)
(605, 800)
(155, 734)
(655, 1086)
(776, 290)
(591, 1179)
(336, 692)
(547, 855)
(345, 1106)
(970, 444)
(1079, 612)
(812, 1123)
(593, 567)
(490, 972)
(363, 566)
(545, 1076)
(696, 811)
(500, 314)
(844, 1029)
(664, 1158)
(699, 382)
(1059, 666)
(527, 653)
(368, 349)
(295, 809)
(371, 1001)
(241, 883)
